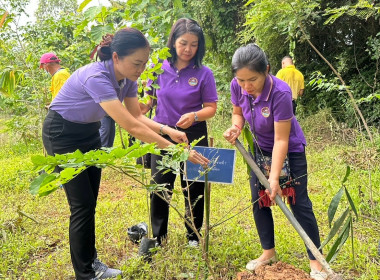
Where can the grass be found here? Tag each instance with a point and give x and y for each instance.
(40, 251)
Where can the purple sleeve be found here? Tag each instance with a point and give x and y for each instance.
(235, 92)
(130, 90)
(100, 88)
(282, 106)
(208, 92)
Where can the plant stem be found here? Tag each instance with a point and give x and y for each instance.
(207, 223)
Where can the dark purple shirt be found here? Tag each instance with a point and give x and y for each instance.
(79, 98)
(183, 91)
(274, 104)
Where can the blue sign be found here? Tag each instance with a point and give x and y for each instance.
(222, 164)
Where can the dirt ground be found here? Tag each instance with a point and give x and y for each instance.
(276, 271)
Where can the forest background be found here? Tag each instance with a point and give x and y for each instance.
(336, 45)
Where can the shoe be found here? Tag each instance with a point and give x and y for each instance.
(252, 265)
(193, 243)
(318, 275)
(102, 271)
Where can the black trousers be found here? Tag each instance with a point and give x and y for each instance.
(59, 137)
(302, 209)
(294, 103)
(159, 209)
(107, 131)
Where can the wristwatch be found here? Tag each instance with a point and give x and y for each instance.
(195, 117)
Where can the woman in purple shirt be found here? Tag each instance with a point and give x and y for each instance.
(265, 102)
(73, 123)
(185, 100)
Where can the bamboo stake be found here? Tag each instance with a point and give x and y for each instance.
(207, 194)
(309, 243)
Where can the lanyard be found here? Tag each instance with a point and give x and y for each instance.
(251, 99)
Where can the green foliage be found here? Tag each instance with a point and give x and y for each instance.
(124, 160)
(219, 21)
(72, 164)
(343, 225)
(9, 79)
(343, 33)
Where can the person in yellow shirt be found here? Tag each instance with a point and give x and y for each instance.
(293, 78)
(50, 63)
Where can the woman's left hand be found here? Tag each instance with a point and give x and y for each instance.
(186, 120)
(275, 187)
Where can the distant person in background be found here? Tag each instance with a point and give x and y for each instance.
(51, 64)
(293, 77)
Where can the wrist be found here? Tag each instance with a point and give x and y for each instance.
(195, 117)
(162, 129)
(236, 126)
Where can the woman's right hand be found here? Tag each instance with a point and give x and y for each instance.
(176, 135)
(231, 134)
(144, 108)
(198, 158)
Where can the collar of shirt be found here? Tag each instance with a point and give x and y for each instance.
(109, 66)
(190, 66)
(267, 89)
(290, 66)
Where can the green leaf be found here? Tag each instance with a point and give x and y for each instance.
(177, 4)
(339, 242)
(143, 150)
(38, 160)
(92, 12)
(78, 155)
(69, 173)
(348, 170)
(352, 205)
(97, 32)
(118, 152)
(40, 181)
(48, 189)
(247, 134)
(335, 227)
(83, 5)
(334, 205)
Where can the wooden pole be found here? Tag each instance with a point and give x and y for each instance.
(207, 194)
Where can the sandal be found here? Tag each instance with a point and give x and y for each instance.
(318, 275)
(252, 265)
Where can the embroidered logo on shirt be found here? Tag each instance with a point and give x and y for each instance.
(193, 81)
(265, 112)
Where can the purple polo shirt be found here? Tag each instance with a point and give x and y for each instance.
(79, 98)
(274, 104)
(183, 91)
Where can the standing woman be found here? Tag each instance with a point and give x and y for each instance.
(185, 100)
(73, 123)
(265, 102)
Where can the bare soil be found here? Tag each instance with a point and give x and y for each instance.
(276, 271)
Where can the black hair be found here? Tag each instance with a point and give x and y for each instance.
(250, 56)
(183, 26)
(287, 57)
(125, 42)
